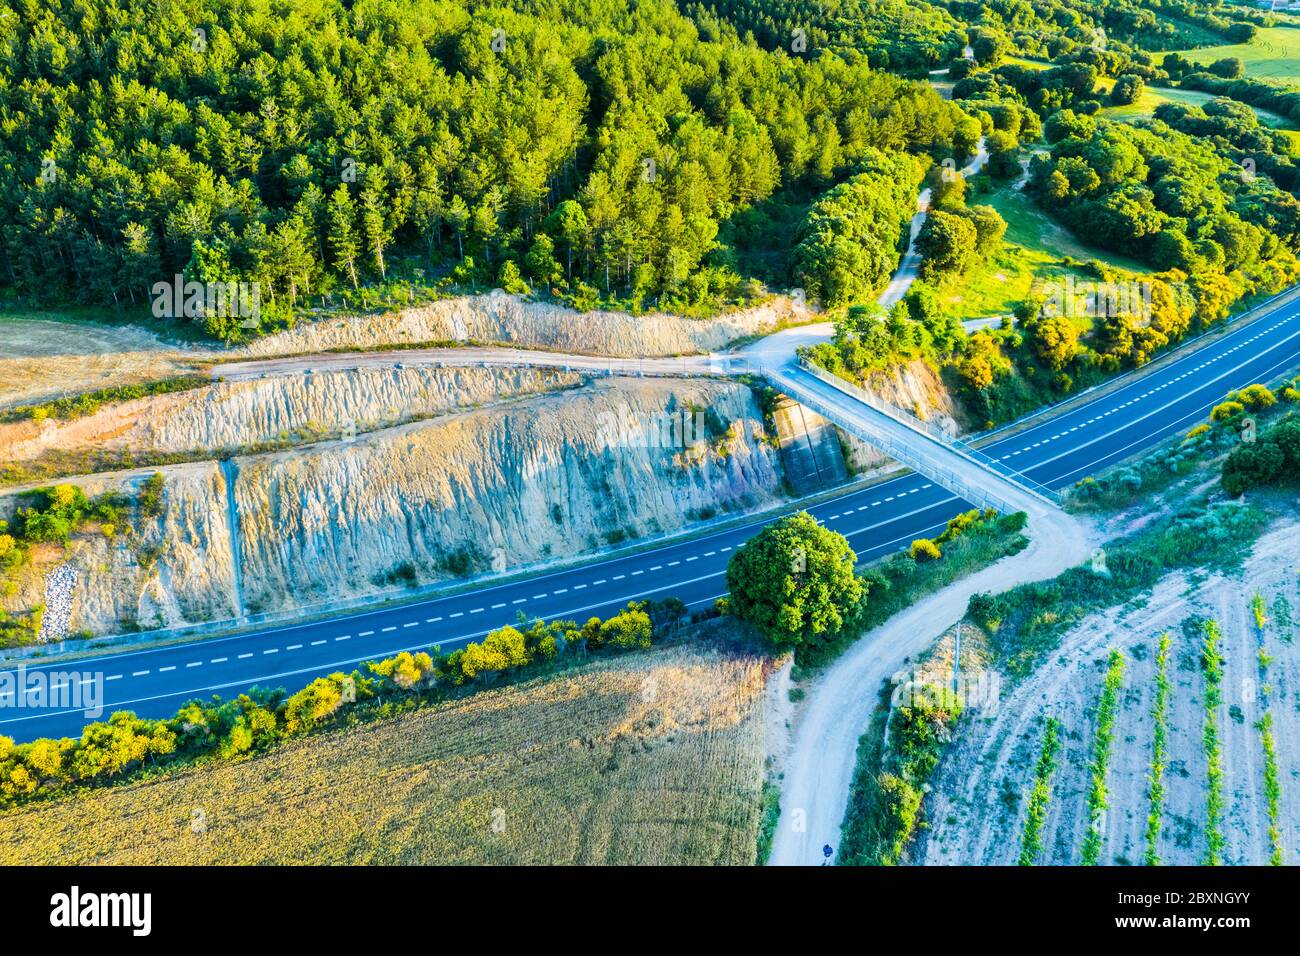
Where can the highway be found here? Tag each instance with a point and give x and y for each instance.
(1057, 452)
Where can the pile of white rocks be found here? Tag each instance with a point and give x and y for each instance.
(59, 585)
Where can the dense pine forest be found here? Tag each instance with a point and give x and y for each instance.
(646, 154)
(319, 145)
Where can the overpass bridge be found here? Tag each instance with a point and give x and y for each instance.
(944, 459)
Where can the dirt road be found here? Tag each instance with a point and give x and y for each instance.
(819, 767)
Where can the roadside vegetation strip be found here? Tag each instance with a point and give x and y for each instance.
(126, 746)
(891, 779)
(76, 406)
(769, 816)
(1212, 672)
(972, 541)
(1027, 622)
(1107, 710)
(491, 778)
(1201, 449)
(1031, 843)
(1159, 754)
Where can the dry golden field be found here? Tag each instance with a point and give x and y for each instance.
(653, 758)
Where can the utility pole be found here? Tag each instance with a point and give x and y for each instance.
(956, 661)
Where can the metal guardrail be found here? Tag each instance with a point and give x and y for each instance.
(932, 432)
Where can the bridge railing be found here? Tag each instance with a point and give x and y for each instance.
(930, 430)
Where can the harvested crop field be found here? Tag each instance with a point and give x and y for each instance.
(977, 812)
(653, 758)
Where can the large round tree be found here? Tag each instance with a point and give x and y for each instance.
(794, 581)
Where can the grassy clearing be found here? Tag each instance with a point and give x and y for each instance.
(1154, 96)
(1032, 229)
(1107, 710)
(1274, 54)
(1035, 250)
(653, 758)
(1159, 754)
(1031, 844)
(1212, 672)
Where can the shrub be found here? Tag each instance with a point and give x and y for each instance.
(1275, 455)
(923, 549)
(1226, 411)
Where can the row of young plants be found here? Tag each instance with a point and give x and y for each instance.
(1159, 754)
(1098, 801)
(1212, 673)
(126, 746)
(1272, 776)
(1031, 843)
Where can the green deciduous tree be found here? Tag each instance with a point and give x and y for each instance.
(794, 581)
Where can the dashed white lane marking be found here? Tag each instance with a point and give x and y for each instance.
(476, 610)
(657, 567)
(495, 606)
(459, 614)
(579, 587)
(139, 673)
(515, 601)
(271, 650)
(294, 647)
(194, 664)
(317, 643)
(433, 620)
(634, 573)
(619, 577)
(385, 630)
(538, 597)
(597, 583)
(171, 667)
(362, 634)
(560, 591)
(218, 660)
(407, 624)
(348, 637)
(242, 656)
(113, 677)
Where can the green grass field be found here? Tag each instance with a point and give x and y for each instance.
(1153, 96)
(1274, 54)
(1036, 250)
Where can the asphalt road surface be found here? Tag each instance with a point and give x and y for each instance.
(877, 521)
